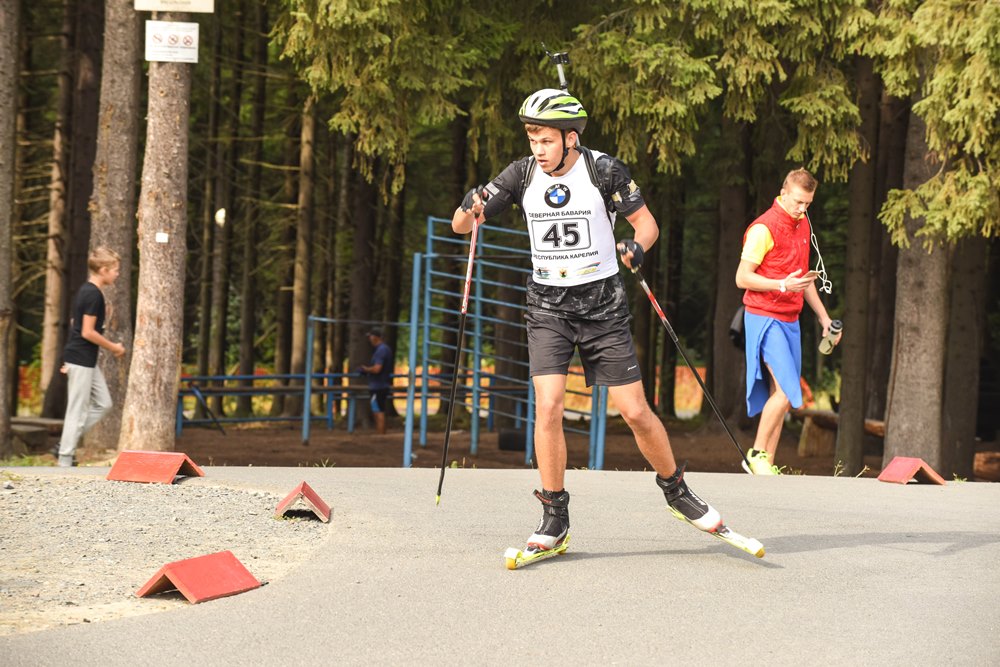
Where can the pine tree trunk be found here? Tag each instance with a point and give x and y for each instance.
(248, 288)
(53, 325)
(894, 118)
(150, 404)
(463, 176)
(219, 292)
(302, 287)
(674, 242)
(345, 240)
(213, 163)
(89, 33)
(330, 252)
(913, 419)
(325, 198)
(19, 99)
(229, 175)
(965, 345)
(360, 351)
(10, 24)
(988, 420)
(394, 262)
(728, 374)
(113, 203)
(378, 241)
(285, 264)
(854, 347)
(644, 330)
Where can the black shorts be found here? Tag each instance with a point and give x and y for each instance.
(379, 399)
(606, 348)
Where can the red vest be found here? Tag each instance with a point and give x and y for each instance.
(790, 252)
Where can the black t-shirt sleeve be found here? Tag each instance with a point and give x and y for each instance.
(91, 303)
(505, 189)
(625, 194)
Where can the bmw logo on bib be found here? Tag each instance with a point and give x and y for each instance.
(557, 195)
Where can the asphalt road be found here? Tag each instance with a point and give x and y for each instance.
(857, 572)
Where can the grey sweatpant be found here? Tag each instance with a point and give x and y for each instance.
(87, 402)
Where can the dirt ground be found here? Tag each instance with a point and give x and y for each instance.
(706, 448)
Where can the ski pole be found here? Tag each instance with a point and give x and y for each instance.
(458, 356)
(697, 376)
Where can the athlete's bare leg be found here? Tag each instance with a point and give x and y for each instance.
(550, 441)
(646, 426)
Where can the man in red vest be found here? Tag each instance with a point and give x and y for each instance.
(774, 271)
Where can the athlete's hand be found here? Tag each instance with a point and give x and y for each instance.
(795, 282)
(475, 201)
(632, 254)
(825, 323)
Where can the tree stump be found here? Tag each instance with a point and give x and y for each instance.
(817, 438)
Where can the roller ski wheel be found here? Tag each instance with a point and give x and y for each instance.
(729, 536)
(515, 558)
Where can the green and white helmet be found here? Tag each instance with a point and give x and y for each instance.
(554, 108)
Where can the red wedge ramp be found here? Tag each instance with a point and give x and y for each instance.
(162, 467)
(309, 498)
(903, 469)
(202, 578)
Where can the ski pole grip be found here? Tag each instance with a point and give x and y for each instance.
(638, 254)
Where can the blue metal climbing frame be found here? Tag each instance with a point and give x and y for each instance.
(438, 281)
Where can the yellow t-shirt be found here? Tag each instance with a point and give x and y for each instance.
(758, 243)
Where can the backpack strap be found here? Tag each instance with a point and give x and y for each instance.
(600, 180)
(526, 179)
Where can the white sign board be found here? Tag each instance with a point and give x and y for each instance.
(200, 6)
(171, 42)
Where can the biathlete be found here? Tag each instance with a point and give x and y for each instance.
(570, 197)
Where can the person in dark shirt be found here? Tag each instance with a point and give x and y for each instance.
(88, 397)
(379, 373)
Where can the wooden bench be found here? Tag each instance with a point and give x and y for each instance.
(53, 426)
(31, 434)
(819, 431)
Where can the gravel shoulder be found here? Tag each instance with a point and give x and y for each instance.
(75, 549)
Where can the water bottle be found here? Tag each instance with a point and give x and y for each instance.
(826, 345)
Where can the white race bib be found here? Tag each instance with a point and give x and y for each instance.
(572, 237)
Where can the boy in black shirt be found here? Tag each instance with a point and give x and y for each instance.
(88, 393)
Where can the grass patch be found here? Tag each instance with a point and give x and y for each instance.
(839, 470)
(27, 461)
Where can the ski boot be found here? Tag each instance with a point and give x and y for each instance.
(686, 506)
(551, 538)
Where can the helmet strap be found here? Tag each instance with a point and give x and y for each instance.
(565, 153)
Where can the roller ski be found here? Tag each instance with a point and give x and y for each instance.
(688, 507)
(551, 538)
